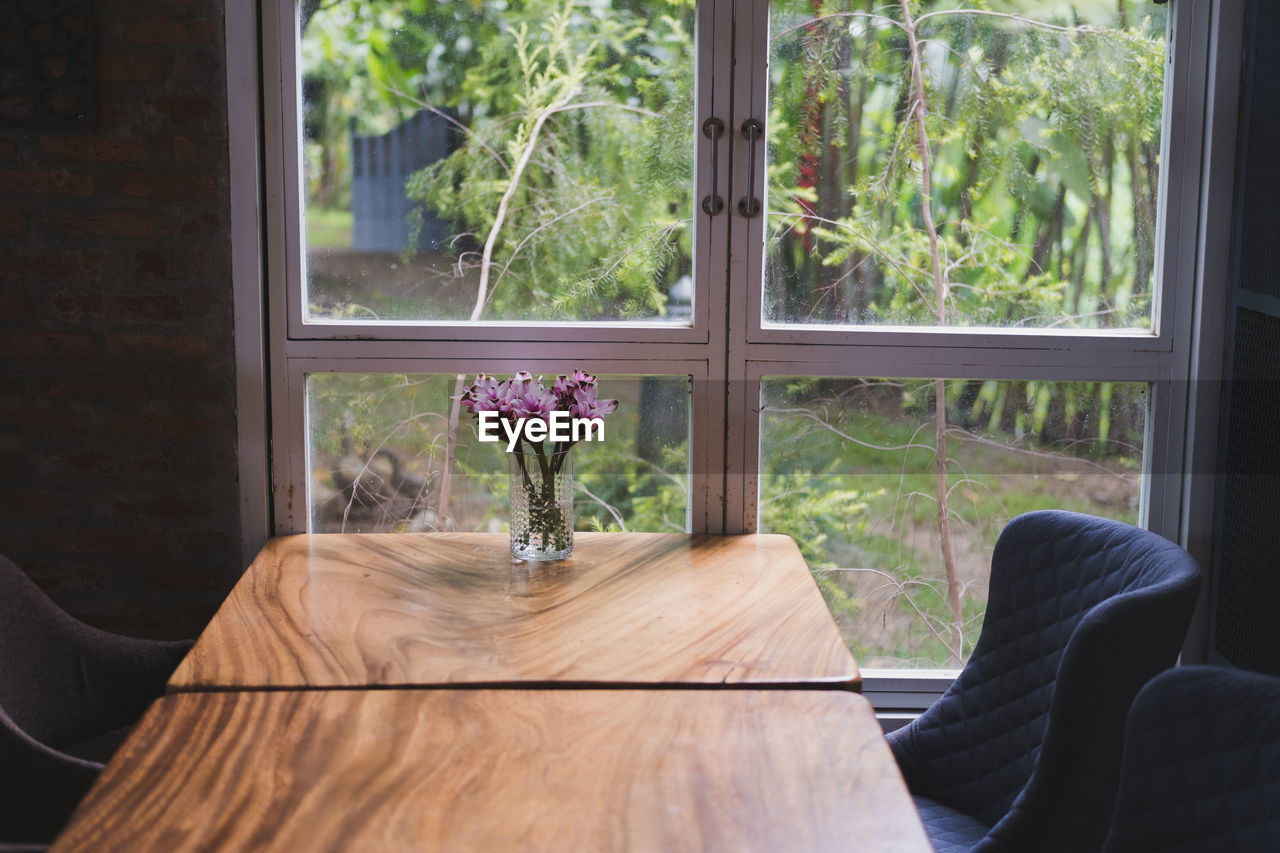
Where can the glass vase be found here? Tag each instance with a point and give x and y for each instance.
(541, 503)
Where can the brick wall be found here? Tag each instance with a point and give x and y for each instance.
(117, 407)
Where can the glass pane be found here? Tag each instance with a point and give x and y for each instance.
(848, 468)
(1039, 125)
(498, 161)
(378, 454)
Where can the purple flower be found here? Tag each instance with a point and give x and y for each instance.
(508, 393)
(563, 389)
(585, 404)
(522, 381)
(524, 396)
(536, 402)
(486, 394)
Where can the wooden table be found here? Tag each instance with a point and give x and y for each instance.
(642, 609)
(250, 751)
(591, 770)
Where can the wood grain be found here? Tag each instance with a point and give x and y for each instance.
(470, 770)
(343, 610)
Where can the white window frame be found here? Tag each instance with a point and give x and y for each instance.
(276, 350)
(702, 486)
(1159, 355)
(427, 347)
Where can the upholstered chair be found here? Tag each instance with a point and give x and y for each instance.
(67, 692)
(1022, 753)
(1201, 765)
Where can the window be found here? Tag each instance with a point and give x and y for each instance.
(807, 243)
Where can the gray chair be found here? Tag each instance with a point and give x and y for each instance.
(68, 692)
(1022, 753)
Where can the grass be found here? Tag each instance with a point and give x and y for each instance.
(355, 414)
(866, 516)
(328, 229)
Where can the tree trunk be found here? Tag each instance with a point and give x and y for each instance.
(924, 151)
(1079, 261)
(1106, 298)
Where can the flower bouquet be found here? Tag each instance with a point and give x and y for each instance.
(539, 427)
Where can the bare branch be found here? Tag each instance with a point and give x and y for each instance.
(530, 235)
(584, 105)
(827, 426)
(902, 592)
(940, 313)
(1083, 29)
(965, 435)
(672, 477)
(874, 246)
(817, 19)
(471, 134)
(617, 516)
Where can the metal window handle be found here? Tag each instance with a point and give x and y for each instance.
(749, 205)
(713, 129)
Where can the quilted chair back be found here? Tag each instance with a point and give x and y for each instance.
(1201, 766)
(61, 681)
(1081, 612)
(52, 685)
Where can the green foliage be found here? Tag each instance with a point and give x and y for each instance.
(599, 103)
(623, 485)
(848, 469)
(569, 199)
(1043, 140)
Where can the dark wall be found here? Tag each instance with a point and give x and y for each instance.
(1245, 626)
(117, 386)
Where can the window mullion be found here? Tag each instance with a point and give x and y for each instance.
(750, 90)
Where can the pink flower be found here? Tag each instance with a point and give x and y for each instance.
(563, 389)
(535, 403)
(523, 396)
(505, 398)
(585, 404)
(486, 394)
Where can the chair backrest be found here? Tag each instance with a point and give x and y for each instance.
(1201, 766)
(39, 787)
(36, 656)
(62, 680)
(1081, 612)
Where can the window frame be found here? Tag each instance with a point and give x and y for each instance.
(281, 52)
(611, 347)
(702, 486)
(1160, 356)
(272, 364)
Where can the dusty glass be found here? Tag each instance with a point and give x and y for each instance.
(951, 166)
(491, 161)
(380, 459)
(849, 468)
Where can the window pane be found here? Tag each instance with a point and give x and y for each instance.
(1042, 139)
(378, 448)
(848, 468)
(498, 161)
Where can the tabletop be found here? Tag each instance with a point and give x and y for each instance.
(484, 769)
(640, 609)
